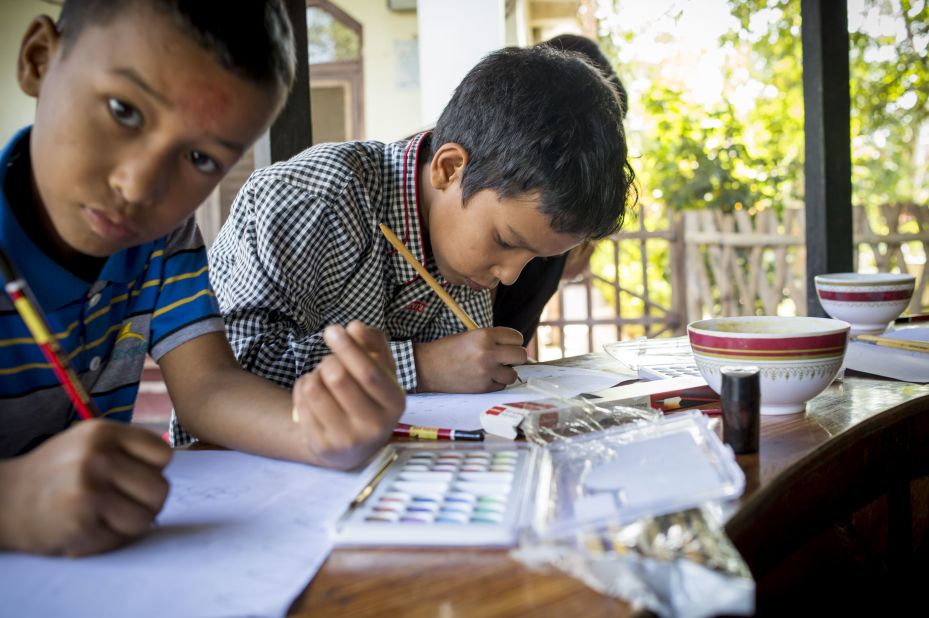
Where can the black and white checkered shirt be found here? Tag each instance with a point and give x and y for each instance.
(302, 250)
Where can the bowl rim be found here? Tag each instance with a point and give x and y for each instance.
(835, 326)
(865, 279)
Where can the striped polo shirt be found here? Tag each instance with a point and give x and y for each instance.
(147, 299)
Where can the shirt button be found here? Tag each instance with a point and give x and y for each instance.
(95, 363)
(94, 300)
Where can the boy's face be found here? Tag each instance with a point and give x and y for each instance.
(489, 240)
(135, 124)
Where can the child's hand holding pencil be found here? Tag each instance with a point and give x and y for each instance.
(480, 360)
(473, 362)
(86, 490)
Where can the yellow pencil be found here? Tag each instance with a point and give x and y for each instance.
(890, 342)
(448, 300)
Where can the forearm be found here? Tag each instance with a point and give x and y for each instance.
(238, 410)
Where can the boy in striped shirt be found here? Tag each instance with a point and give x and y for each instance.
(142, 106)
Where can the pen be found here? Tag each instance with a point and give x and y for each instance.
(421, 270)
(29, 311)
(436, 433)
(890, 342)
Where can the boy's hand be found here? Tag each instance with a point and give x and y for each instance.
(478, 361)
(89, 489)
(348, 406)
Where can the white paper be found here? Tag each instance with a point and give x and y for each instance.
(239, 536)
(895, 363)
(456, 411)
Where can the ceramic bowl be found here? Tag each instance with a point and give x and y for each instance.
(798, 356)
(866, 301)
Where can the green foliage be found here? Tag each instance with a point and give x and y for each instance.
(329, 39)
(744, 148)
(727, 154)
(889, 88)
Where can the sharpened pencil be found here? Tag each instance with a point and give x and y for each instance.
(18, 290)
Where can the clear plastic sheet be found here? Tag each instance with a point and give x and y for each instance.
(679, 564)
(576, 416)
(644, 352)
(622, 473)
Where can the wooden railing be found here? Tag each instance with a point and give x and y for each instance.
(622, 296)
(888, 247)
(716, 265)
(739, 264)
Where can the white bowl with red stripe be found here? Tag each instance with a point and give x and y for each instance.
(798, 356)
(866, 301)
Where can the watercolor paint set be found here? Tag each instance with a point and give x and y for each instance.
(442, 494)
(488, 494)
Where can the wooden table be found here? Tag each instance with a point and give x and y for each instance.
(843, 485)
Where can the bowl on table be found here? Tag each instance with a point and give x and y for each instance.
(866, 301)
(798, 357)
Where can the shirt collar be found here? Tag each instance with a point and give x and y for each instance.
(53, 285)
(403, 214)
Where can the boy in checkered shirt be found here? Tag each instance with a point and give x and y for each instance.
(528, 159)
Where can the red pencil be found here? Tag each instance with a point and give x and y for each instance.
(29, 311)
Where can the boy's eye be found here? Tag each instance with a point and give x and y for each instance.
(203, 162)
(502, 242)
(125, 114)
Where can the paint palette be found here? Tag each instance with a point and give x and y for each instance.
(488, 494)
(441, 494)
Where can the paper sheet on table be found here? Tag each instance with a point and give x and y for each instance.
(895, 363)
(456, 411)
(239, 536)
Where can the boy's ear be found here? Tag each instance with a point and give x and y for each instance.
(447, 165)
(36, 51)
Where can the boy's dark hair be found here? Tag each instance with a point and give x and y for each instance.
(251, 38)
(544, 122)
(593, 53)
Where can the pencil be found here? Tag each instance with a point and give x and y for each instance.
(448, 300)
(29, 311)
(889, 342)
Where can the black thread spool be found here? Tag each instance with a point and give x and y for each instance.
(740, 399)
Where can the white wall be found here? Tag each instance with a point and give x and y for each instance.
(454, 35)
(16, 109)
(391, 85)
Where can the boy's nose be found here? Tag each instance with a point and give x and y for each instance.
(509, 273)
(139, 179)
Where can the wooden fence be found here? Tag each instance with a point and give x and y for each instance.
(717, 265)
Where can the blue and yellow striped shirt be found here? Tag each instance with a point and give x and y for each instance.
(147, 299)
